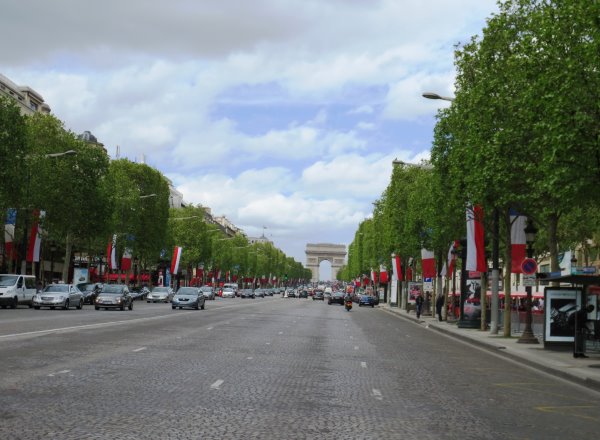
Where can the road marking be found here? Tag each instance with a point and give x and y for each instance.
(356, 347)
(268, 343)
(377, 394)
(565, 409)
(363, 364)
(217, 384)
(139, 349)
(249, 358)
(351, 337)
(60, 372)
(209, 328)
(280, 333)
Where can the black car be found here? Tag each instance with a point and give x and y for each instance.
(319, 295)
(303, 294)
(247, 293)
(114, 296)
(139, 293)
(336, 298)
(90, 291)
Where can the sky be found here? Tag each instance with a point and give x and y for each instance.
(278, 114)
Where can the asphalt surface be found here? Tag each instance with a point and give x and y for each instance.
(268, 368)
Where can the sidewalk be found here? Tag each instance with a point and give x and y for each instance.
(558, 363)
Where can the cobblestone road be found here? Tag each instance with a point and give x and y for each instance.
(267, 369)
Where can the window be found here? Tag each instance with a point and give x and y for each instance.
(33, 106)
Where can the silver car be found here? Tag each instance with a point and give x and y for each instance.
(160, 294)
(59, 295)
(188, 297)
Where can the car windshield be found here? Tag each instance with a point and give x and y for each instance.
(57, 288)
(160, 290)
(206, 289)
(112, 289)
(187, 291)
(87, 287)
(7, 280)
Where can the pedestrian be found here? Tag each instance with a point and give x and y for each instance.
(439, 305)
(419, 304)
(580, 331)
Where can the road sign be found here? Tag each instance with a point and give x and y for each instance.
(529, 266)
(529, 280)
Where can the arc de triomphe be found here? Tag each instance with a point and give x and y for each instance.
(318, 252)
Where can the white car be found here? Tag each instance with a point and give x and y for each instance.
(228, 292)
(160, 294)
(59, 295)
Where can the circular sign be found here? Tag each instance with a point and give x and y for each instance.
(529, 266)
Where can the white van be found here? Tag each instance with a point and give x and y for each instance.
(16, 289)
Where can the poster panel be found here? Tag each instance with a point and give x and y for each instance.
(472, 300)
(80, 275)
(394, 292)
(559, 315)
(414, 289)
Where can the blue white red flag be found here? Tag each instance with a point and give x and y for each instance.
(9, 233)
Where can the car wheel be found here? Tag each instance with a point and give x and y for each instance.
(122, 306)
(52, 307)
(372, 305)
(131, 305)
(36, 307)
(15, 301)
(97, 308)
(148, 302)
(80, 306)
(173, 307)
(202, 306)
(197, 307)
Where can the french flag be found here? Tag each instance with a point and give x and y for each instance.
(111, 253)
(175, 259)
(428, 263)
(397, 268)
(9, 233)
(517, 240)
(475, 241)
(126, 259)
(449, 266)
(35, 240)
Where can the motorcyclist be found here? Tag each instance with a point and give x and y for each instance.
(347, 297)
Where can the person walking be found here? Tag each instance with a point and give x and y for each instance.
(419, 304)
(439, 305)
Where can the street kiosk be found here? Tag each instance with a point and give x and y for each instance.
(561, 306)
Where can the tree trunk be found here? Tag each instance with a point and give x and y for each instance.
(67, 263)
(507, 273)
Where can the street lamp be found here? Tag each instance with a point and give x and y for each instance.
(528, 337)
(432, 95)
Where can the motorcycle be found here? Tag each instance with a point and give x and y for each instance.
(348, 305)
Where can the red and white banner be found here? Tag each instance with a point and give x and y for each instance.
(397, 268)
(126, 259)
(111, 253)
(35, 240)
(175, 259)
(428, 263)
(449, 265)
(475, 245)
(383, 276)
(518, 243)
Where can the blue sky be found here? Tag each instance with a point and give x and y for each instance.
(278, 113)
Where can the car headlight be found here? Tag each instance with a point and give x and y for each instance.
(119, 300)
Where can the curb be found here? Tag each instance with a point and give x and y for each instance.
(501, 350)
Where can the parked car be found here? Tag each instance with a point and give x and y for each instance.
(114, 296)
(160, 294)
(208, 292)
(59, 295)
(247, 293)
(188, 297)
(16, 289)
(228, 292)
(90, 291)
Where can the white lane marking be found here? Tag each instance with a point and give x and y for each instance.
(377, 394)
(280, 333)
(363, 364)
(59, 372)
(217, 384)
(139, 349)
(351, 337)
(249, 358)
(268, 343)
(356, 347)
(209, 328)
